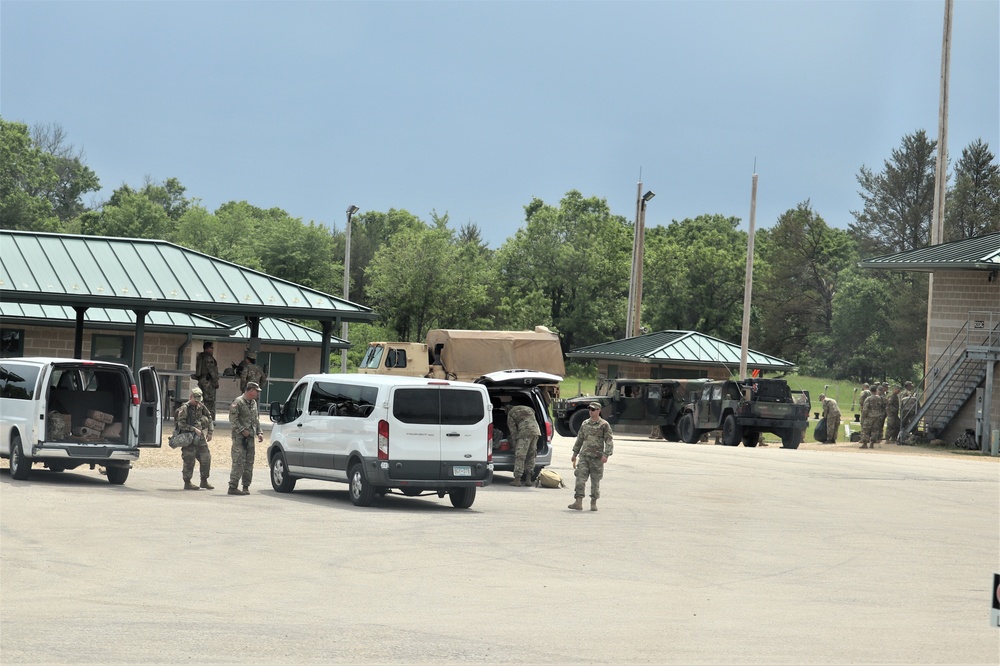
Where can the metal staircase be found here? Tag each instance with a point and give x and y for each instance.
(956, 374)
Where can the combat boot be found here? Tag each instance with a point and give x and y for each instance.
(233, 490)
(206, 485)
(516, 482)
(246, 490)
(577, 505)
(190, 486)
(593, 505)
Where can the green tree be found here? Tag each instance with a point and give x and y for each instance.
(973, 205)
(572, 261)
(898, 201)
(70, 178)
(129, 214)
(370, 231)
(694, 276)
(24, 171)
(805, 259)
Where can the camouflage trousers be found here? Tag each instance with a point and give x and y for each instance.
(832, 426)
(242, 461)
(869, 431)
(197, 451)
(592, 468)
(891, 428)
(880, 429)
(208, 395)
(525, 450)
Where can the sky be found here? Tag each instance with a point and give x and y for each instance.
(475, 108)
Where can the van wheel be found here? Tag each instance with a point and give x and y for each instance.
(576, 420)
(362, 492)
(19, 465)
(117, 475)
(731, 432)
(281, 480)
(462, 498)
(688, 433)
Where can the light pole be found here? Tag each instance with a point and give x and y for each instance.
(632, 323)
(351, 210)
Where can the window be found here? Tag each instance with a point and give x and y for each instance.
(117, 348)
(11, 343)
(372, 357)
(437, 407)
(396, 358)
(18, 381)
(347, 399)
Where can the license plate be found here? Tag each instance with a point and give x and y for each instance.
(461, 470)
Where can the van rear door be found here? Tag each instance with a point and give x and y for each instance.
(150, 416)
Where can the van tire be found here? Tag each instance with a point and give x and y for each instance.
(462, 498)
(281, 480)
(576, 420)
(362, 492)
(19, 465)
(117, 475)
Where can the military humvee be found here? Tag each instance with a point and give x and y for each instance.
(745, 409)
(641, 402)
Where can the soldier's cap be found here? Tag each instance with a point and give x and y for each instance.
(908, 384)
(885, 384)
(196, 392)
(594, 405)
(253, 386)
(250, 355)
(822, 396)
(208, 345)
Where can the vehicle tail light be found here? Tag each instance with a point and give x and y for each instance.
(383, 440)
(135, 394)
(548, 432)
(489, 443)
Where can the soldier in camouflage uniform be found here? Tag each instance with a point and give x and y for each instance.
(880, 429)
(194, 417)
(251, 372)
(831, 412)
(594, 443)
(524, 432)
(871, 413)
(865, 394)
(907, 410)
(892, 415)
(245, 420)
(207, 373)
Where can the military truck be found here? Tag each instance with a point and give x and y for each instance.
(467, 355)
(639, 402)
(744, 409)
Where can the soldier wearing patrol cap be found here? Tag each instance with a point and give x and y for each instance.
(594, 444)
(245, 420)
(193, 416)
(251, 372)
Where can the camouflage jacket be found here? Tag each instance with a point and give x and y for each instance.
(207, 368)
(191, 416)
(873, 408)
(594, 439)
(251, 373)
(243, 415)
(521, 422)
(907, 402)
(861, 401)
(830, 408)
(892, 405)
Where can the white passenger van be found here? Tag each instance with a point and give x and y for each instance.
(64, 412)
(379, 433)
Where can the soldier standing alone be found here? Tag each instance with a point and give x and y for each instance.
(245, 420)
(194, 417)
(524, 434)
(594, 443)
(207, 373)
(892, 415)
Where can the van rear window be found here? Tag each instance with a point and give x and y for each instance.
(18, 381)
(437, 406)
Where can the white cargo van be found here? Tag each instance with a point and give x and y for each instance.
(380, 433)
(64, 413)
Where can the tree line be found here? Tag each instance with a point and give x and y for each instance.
(567, 266)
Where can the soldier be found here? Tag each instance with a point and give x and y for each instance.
(594, 443)
(865, 394)
(880, 429)
(892, 415)
(251, 373)
(207, 373)
(195, 417)
(871, 411)
(831, 412)
(524, 432)
(907, 410)
(245, 420)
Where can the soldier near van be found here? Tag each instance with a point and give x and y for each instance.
(831, 412)
(245, 420)
(251, 372)
(193, 416)
(892, 415)
(871, 412)
(207, 373)
(524, 434)
(594, 444)
(907, 410)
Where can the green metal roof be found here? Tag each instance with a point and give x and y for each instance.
(680, 348)
(981, 253)
(140, 274)
(63, 317)
(281, 332)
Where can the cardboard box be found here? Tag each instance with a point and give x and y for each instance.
(97, 415)
(94, 424)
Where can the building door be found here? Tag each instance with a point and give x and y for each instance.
(280, 368)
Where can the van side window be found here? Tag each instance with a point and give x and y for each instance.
(461, 407)
(438, 407)
(18, 381)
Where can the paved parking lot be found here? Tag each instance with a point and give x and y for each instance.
(699, 554)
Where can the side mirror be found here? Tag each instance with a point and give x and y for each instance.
(276, 412)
